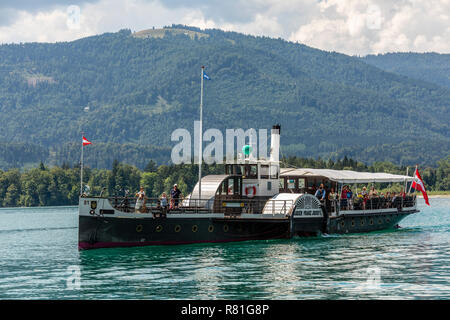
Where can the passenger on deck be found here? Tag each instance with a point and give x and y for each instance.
(358, 201)
(320, 193)
(163, 200)
(382, 200)
(344, 200)
(394, 200)
(388, 199)
(366, 197)
(349, 198)
(140, 201)
(332, 197)
(175, 195)
(373, 192)
(172, 204)
(364, 192)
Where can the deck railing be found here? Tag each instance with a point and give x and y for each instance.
(226, 206)
(374, 203)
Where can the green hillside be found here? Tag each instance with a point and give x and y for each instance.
(431, 67)
(139, 89)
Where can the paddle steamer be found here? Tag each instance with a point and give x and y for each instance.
(253, 200)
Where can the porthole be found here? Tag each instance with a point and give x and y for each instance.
(225, 228)
(342, 224)
(210, 228)
(387, 219)
(139, 228)
(177, 228)
(362, 222)
(380, 221)
(194, 228)
(239, 228)
(353, 223)
(159, 228)
(371, 222)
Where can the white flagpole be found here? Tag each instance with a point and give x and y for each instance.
(81, 168)
(200, 147)
(406, 182)
(409, 191)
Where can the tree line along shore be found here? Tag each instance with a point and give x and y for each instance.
(60, 185)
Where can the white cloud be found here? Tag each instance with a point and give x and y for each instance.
(47, 26)
(348, 26)
(362, 27)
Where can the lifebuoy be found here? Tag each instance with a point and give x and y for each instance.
(250, 195)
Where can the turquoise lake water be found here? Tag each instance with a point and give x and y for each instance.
(39, 259)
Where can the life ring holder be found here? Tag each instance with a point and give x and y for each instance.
(250, 195)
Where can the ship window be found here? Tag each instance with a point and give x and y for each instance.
(234, 169)
(301, 183)
(251, 171)
(230, 186)
(281, 184)
(269, 185)
(264, 172)
(274, 172)
(291, 184)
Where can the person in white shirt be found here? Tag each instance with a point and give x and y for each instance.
(140, 202)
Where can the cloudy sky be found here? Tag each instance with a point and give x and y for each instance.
(355, 27)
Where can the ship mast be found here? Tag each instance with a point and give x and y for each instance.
(200, 146)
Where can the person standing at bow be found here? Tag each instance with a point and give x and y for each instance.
(175, 195)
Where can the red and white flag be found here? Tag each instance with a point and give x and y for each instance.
(418, 185)
(86, 141)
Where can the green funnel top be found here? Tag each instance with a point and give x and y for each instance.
(246, 149)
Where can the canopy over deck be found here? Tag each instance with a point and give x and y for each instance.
(210, 184)
(345, 176)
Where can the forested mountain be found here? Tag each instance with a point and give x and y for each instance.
(140, 87)
(431, 67)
